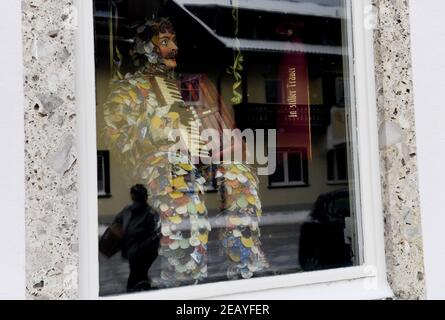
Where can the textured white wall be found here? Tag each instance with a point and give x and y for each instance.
(51, 223)
(428, 52)
(398, 152)
(51, 184)
(12, 190)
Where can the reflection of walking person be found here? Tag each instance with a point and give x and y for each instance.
(140, 242)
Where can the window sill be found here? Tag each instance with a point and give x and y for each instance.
(353, 283)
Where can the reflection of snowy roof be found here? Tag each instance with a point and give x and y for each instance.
(278, 46)
(319, 8)
(260, 45)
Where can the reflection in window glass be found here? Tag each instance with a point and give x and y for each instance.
(295, 164)
(103, 173)
(278, 176)
(227, 130)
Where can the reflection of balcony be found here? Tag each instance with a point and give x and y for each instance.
(267, 115)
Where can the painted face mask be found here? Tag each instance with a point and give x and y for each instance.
(165, 43)
(155, 44)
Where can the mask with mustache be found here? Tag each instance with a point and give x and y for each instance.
(155, 43)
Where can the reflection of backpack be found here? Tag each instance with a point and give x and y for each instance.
(111, 240)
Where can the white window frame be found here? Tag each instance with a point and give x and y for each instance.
(287, 182)
(102, 192)
(336, 180)
(367, 281)
(12, 161)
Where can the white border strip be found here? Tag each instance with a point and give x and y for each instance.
(12, 160)
(86, 135)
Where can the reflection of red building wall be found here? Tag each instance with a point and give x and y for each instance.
(294, 122)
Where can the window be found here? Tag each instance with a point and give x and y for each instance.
(155, 78)
(202, 243)
(291, 170)
(103, 174)
(339, 91)
(337, 165)
(190, 89)
(274, 91)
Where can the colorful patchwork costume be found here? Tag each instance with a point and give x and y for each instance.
(139, 128)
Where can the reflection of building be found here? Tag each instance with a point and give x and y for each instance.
(298, 181)
(304, 70)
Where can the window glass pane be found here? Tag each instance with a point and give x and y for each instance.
(295, 163)
(342, 165)
(278, 176)
(331, 165)
(273, 91)
(100, 174)
(176, 81)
